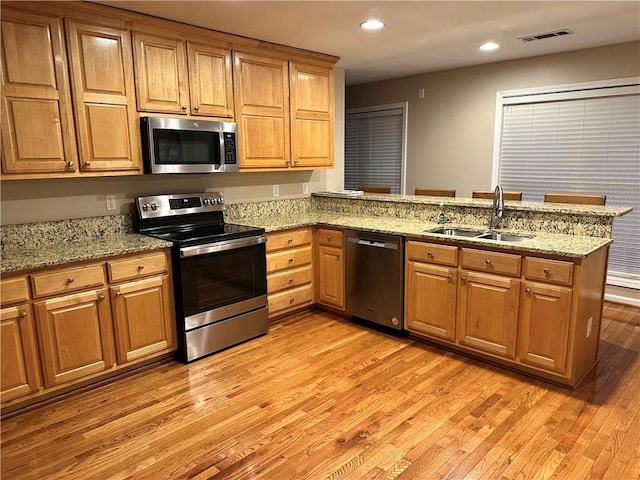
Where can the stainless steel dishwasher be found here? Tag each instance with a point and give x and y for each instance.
(375, 277)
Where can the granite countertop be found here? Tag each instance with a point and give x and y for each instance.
(560, 208)
(542, 242)
(22, 258)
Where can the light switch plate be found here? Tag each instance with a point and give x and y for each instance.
(305, 187)
(276, 190)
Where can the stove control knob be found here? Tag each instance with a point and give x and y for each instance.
(206, 201)
(145, 207)
(219, 201)
(154, 206)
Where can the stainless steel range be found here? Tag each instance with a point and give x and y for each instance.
(219, 270)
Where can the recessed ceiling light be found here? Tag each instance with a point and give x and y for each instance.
(489, 46)
(372, 25)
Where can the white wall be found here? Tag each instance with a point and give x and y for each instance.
(25, 201)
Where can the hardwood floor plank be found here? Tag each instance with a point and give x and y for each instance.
(321, 397)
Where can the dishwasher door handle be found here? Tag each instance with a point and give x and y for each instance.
(372, 243)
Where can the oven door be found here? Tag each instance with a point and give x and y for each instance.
(222, 279)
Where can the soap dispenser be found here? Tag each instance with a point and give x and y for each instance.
(441, 218)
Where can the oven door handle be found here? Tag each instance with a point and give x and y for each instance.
(221, 246)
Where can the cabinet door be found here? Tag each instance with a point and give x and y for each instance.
(161, 74)
(431, 300)
(488, 312)
(143, 318)
(261, 89)
(210, 80)
(546, 311)
(104, 98)
(20, 373)
(37, 122)
(75, 336)
(312, 105)
(331, 276)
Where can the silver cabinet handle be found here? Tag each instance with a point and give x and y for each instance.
(69, 164)
(296, 161)
(290, 260)
(429, 254)
(87, 164)
(547, 271)
(70, 280)
(290, 240)
(118, 294)
(184, 108)
(487, 261)
(528, 290)
(100, 297)
(291, 300)
(291, 280)
(197, 108)
(23, 314)
(140, 267)
(463, 279)
(449, 276)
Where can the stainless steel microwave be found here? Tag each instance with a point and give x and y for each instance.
(180, 145)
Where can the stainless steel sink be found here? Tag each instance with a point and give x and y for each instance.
(456, 232)
(498, 237)
(503, 237)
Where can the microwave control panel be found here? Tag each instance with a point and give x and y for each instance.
(229, 148)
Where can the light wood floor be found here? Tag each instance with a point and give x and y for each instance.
(320, 397)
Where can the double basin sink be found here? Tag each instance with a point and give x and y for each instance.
(499, 237)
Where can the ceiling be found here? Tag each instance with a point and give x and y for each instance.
(418, 37)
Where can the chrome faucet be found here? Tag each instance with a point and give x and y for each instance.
(498, 208)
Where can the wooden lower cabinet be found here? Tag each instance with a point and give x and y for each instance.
(289, 270)
(20, 370)
(75, 334)
(430, 300)
(89, 321)
(544, 325)
(488, 312)
(330, 268)
(143, 318)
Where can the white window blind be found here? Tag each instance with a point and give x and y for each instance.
(585, 142)
(374, 147)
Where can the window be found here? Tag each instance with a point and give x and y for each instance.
(375, 147)
(579, 138)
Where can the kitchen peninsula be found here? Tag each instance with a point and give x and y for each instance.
(533, 306)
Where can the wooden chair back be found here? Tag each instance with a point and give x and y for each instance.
(578, 198)
(489, 194)
(375, 189)
(436, 192)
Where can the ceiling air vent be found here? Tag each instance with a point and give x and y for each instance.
(541, 36)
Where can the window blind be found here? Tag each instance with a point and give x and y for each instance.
(589, 144)
(374, 140)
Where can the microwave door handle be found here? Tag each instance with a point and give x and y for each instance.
(221, 246)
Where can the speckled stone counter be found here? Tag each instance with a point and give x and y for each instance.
(557, 229)
(44, 244)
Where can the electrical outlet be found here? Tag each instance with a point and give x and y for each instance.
(305, 187)
(111, 202)
(421, 93)
(276, 190)
(589, 326)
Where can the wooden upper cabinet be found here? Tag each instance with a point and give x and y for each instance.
(210, 81)
(261, 90)
(37, 123)
(312, 115)
(104, 98)
(161, 74)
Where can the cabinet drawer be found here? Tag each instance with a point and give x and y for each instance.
(329, 237)
(14, 290)
(295, 257)
(545, 270)
(432, 253)
(494, 262)
(289, 279)
(136, 267)
(296, 297)
(68, 280)
(288, 238)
